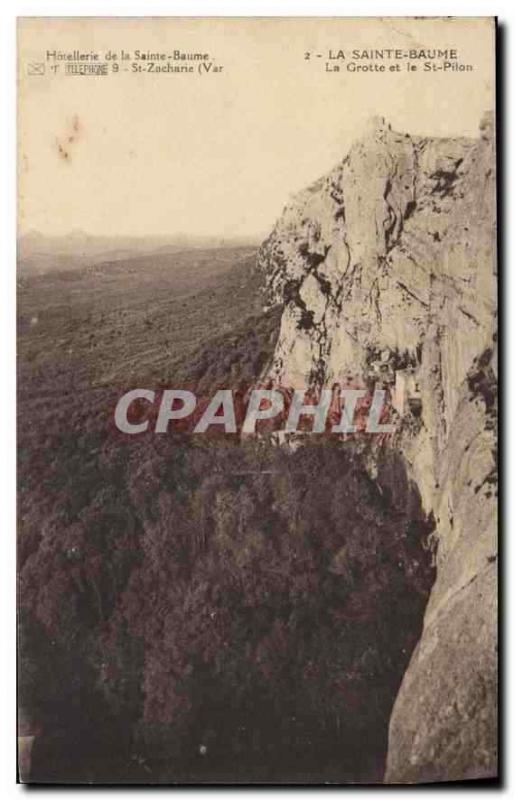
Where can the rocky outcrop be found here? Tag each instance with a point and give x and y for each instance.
(386, 272)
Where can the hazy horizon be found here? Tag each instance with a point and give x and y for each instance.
(151, 237)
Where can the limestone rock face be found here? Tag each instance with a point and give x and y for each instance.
(386, 272)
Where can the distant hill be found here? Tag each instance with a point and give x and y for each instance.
(39, 254)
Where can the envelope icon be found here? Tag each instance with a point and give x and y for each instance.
(35, 68)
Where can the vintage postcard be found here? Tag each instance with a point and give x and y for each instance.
(257, 395)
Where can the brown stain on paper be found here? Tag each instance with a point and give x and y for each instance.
(65, 143)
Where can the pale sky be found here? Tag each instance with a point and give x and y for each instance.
(220, 154)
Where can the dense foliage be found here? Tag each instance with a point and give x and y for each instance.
(196, 608)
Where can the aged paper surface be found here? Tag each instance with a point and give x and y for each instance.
(257, 394)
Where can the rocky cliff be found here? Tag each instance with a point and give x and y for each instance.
(386, 272)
